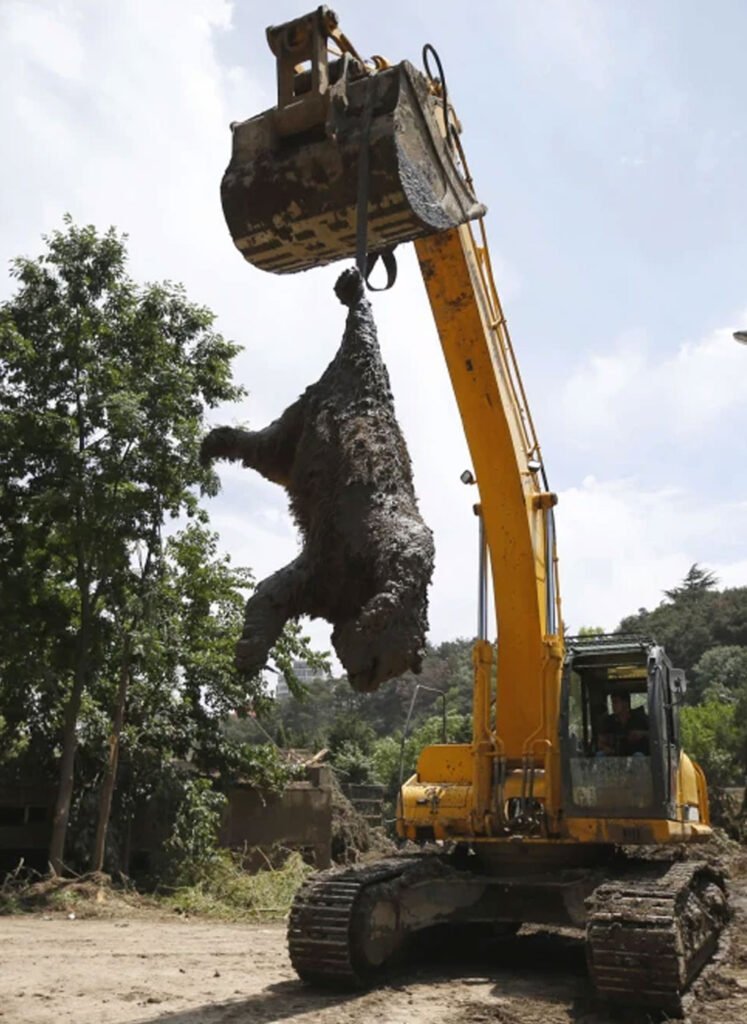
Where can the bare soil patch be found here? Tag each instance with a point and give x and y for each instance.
(140, 966)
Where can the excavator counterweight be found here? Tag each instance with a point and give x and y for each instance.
(344, 136)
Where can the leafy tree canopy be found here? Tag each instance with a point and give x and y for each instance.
(102, 402)
(720, 673)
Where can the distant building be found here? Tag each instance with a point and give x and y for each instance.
(304, 673)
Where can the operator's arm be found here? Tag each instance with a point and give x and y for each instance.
(606, 736)
(637, 734)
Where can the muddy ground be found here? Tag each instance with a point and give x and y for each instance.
(147, 968)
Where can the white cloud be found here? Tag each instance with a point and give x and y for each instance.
(629, 391)
(119, 113)
(44, 39)
(621, 545)
(570, 35)
(732, 574)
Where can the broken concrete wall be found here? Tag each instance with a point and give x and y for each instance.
(299, 818)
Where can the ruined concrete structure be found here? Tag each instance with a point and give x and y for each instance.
(367, 558)
(300, 818)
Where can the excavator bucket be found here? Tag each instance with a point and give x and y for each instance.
(344, 136)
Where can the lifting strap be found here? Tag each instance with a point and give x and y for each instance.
(365, 261)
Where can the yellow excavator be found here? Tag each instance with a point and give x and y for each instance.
(555, 813)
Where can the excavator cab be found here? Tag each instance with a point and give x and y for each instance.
(355, 156)
(620, 737)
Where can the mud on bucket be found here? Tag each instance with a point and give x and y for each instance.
(290, 192)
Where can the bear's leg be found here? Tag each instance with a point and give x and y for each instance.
(385, 640)
(278, 598)
(367, 647)
(387, 636)
(270, 451)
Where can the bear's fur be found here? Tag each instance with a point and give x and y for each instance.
(367, 558)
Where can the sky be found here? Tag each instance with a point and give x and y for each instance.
(609, 142)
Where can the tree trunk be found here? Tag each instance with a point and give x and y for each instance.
(67, 772)
(72, 710)
(110, 775)
(127, 847)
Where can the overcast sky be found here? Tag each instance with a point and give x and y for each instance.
(608, 141)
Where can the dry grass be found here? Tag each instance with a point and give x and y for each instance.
(229, 892)
(223, 891)
(92, 895)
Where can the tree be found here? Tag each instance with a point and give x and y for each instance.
(183, 685)
(351, 741)
(101, 412)
(447, 669)
(697, 581)
(390, 754)
(720, 673)
(711, 733)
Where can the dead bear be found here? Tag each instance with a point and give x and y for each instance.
(367, 558)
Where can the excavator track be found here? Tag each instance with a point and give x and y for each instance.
(651, 931)
(325, 946)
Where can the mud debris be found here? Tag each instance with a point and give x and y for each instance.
(353, 839)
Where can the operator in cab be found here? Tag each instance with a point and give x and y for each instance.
(624, 733)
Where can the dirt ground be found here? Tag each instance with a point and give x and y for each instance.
(149, 969)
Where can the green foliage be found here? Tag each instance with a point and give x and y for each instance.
(351, 740)
(192, 847)
(719, 674)
(704, 631)
(694, 619)
(354, 764)
(350, 730)
(13, 743)
(297, 647)
(711, 734)
(388, 751)
(262, 765)
(101, 413)
(363, 731)
(697, 581)
(225, 890)
(740, 719)
(313, 720)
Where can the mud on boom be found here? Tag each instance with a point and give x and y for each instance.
(356, 157)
